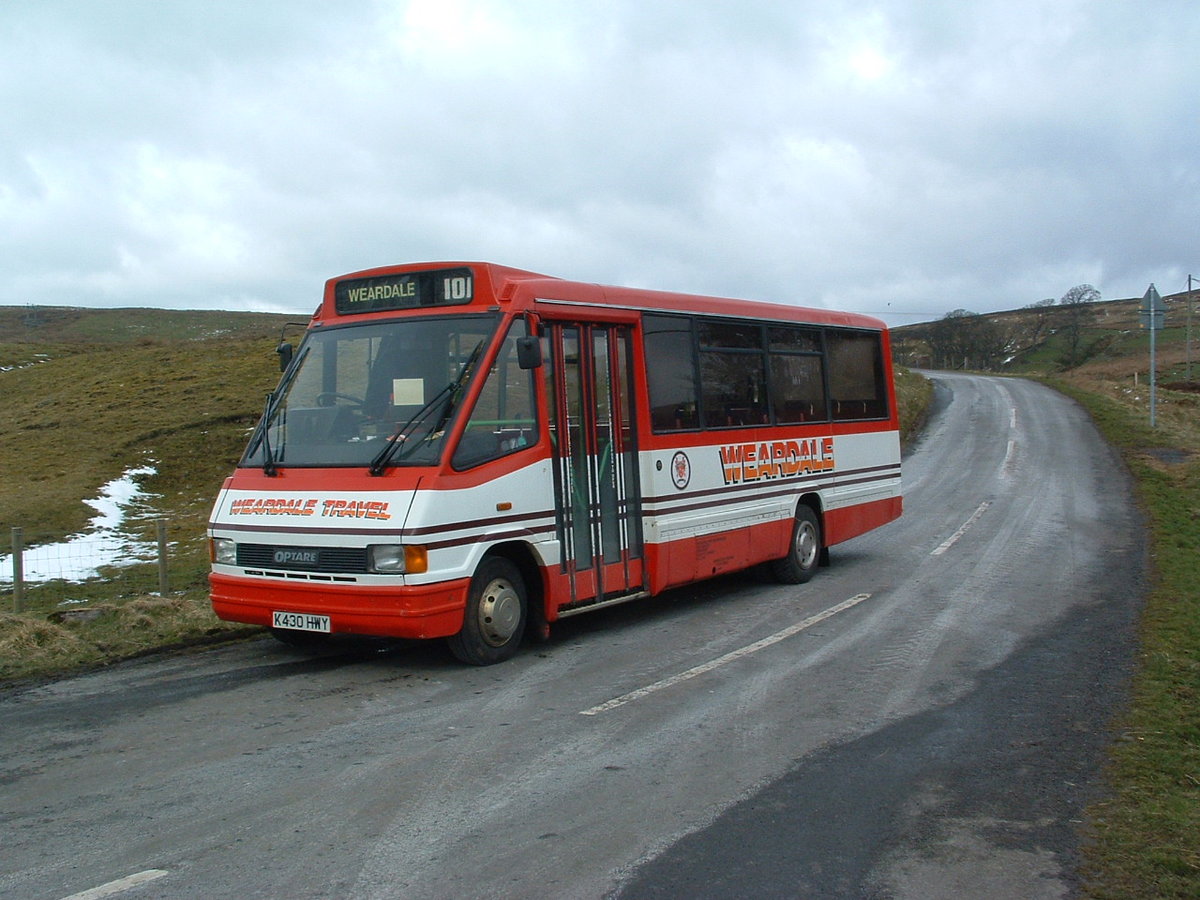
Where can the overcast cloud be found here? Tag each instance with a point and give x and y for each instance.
(902, 158)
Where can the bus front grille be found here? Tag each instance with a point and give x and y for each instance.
(303, 559)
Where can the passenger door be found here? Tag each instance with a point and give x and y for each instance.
(597, 492)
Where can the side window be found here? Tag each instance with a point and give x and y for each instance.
(797, 375)
(857, 386)
(671, 372)
(504, 418)
(732, 380)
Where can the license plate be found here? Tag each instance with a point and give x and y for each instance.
(300, 621)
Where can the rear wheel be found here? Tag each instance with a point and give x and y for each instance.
(804, 553)
(495, 618)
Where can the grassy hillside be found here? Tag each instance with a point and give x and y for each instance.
(95, 392)
(87, 394)
(1101, 336)
(24, 328)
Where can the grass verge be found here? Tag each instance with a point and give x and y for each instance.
(914, 396)
(1144, 835)
(33, 646)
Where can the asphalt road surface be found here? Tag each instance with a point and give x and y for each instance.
(926, 718)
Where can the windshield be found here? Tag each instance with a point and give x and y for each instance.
(358, 391)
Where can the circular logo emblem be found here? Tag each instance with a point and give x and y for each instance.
(681, 470)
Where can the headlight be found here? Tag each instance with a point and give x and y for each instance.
(396, 559)
(224, 551)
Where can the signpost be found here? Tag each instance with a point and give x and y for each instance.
(1152, 314)
(1191, 278)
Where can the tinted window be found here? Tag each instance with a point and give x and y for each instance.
(794, 340)
(732, 335)
(797, 389)
(714, 373)
(856, 381)
(671, 372)
(734, 392)
(732, 380)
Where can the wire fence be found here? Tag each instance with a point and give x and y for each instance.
(65, 565)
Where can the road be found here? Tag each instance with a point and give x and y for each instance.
(926, 718)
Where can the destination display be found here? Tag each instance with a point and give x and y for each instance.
(444, 287)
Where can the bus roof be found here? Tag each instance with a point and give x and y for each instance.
(499, 284)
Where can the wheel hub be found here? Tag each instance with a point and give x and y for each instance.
(806, 544)
(499, 612)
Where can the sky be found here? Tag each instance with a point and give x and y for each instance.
(899, 158)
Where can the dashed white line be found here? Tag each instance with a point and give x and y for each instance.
(119, 886)
(953, 539)
(1008, 455)
(727, 658)
(1012, 442)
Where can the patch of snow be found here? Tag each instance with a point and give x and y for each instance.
(38, 358)
(102, 543)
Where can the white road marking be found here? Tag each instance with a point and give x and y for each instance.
(119, 886)
(727, 658)
(1012, 442)
(953, 539)
(1008, 455)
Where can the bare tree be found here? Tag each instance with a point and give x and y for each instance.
(1041, 318)
(1073, 306)
(963, 339)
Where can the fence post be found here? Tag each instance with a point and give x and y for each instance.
(18, 554)
(161, 525)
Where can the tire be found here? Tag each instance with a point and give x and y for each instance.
(494, 622)
(804, 553)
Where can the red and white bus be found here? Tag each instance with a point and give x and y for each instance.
(467, 451)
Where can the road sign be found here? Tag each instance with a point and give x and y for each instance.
(1153, 310)
(1152, 314)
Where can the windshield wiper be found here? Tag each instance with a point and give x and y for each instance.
(261, 437)
(455, 387)
(449, 394)
(401, 435)
(269, 467)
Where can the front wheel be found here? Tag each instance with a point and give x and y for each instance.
(495, 618)
(804, 553)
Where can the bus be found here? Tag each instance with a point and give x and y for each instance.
(467, 451)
